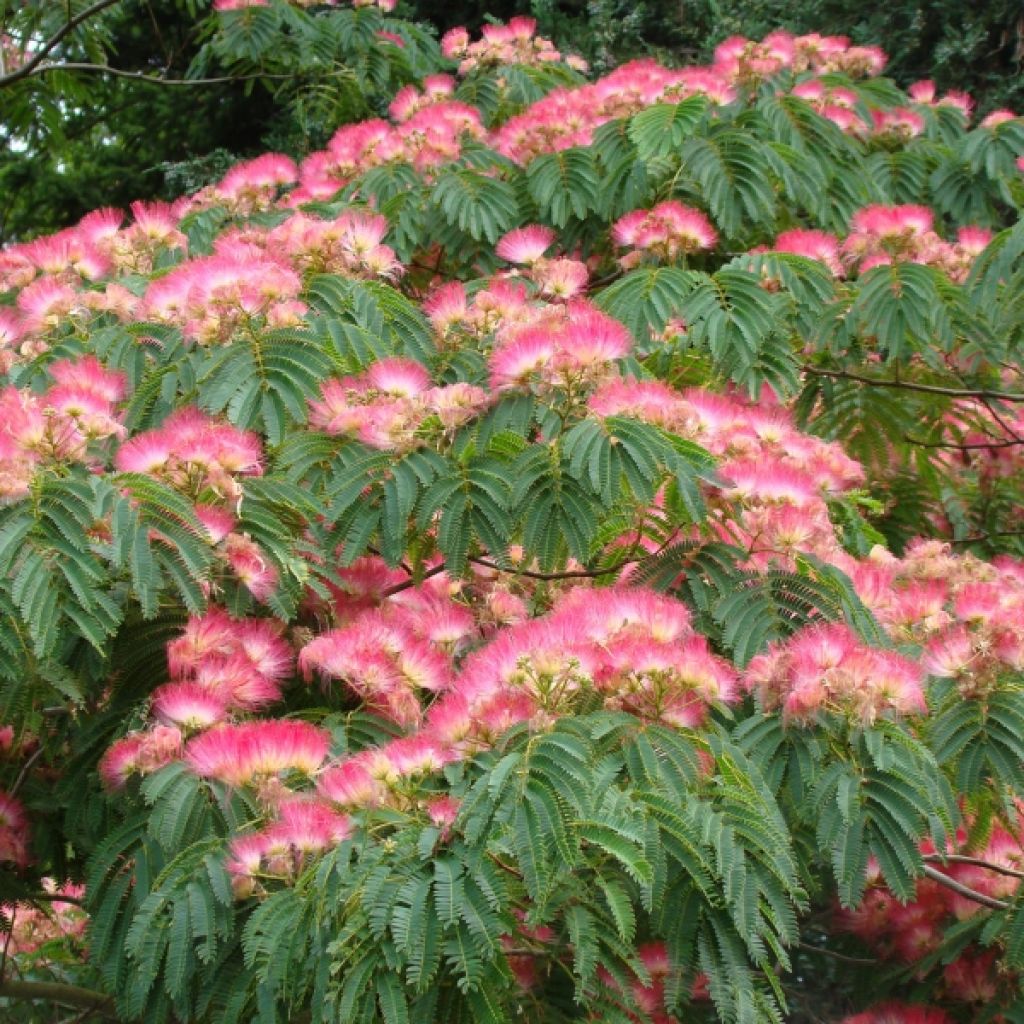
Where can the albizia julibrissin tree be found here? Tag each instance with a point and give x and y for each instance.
(524, 562)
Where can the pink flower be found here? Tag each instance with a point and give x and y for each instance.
(239, 754)
(525, 245)
(188, 705)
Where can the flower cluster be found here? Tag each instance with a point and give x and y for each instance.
(748, 62)
(967, 615)
(393, 404)
(34, 928)
(58, 426)
(215, 297)
(776, 480)
(650, 996)
(426, 139)
(883, 235)
(218, 666)
(14, 831)
(390, 657)
(828, 669)
(514, 43)
(667, 231)
(909, 932)
(195, 453)
(571, 347)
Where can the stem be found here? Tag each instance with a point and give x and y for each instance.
(955, 858)
(930, 389)
(965, 891)
(860, 960)
(56, 992)
(29, 67)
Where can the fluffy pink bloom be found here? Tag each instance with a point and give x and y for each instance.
(188, 705)
(668, 230)
(893, 222)
(827, 668)
(239, 754)
(525, 245)
(350, 783)
(14, 833)
(816, 245)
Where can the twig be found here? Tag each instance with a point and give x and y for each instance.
(568, 574)
(56, 992)
(956, 858)
(930, 389)
(25, 770)
(29, 67)
(980, 446)
(978, 538)
(965, 891)
(859, 960)
(412, 581)
(141, 76)
(504, 865)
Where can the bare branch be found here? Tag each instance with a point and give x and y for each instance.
(141, 76)
(906, 385)
(963, 890)
(29, 67)
(952, 445)
(957, 858)
(55, 992)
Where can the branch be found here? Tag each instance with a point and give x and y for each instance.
(979, 537)
(930, 389)
(412, 581)
(963, 890)
(29, 67)
(55, 992)
(569, 574)
(859, 960)
(956, 858)
(141, 76)
(980, 446)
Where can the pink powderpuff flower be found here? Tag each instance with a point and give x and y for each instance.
(219, 522)
(310, 825)
(240, 754)
(591, 338)
(446, 306)
(923, 92)
(188, 705)
(350, 783)
(403, 378)
(234, 680)
(769, 481)
(899, 123)
(250, 565)
(524, 356)
(245, 857)
(253, 183)
(454, 43)
(14, 834)
(973, 240)
(525, 245)
(816, 245)
(893, 223)
(560, 279)
(998, 117)
(443, 811)
(121, 761)
(972, 978)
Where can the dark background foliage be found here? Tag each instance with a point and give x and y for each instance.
(77, 141)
